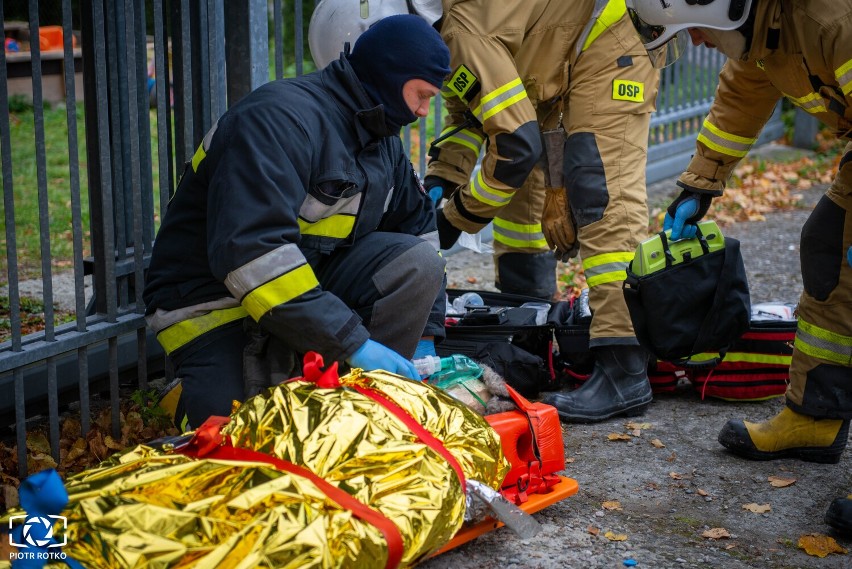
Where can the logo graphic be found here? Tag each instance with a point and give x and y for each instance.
(38, 531)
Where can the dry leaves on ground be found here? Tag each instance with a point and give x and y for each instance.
(780, 482)
(716, 533)
(819, 545)
(757, 508)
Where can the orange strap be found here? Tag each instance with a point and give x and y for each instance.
(208, 443)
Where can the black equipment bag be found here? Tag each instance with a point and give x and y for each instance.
(504, 336)
(694, 305)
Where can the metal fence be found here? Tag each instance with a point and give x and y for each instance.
(154, 75)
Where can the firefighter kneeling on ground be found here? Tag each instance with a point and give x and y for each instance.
(300, 225)
(802, 50)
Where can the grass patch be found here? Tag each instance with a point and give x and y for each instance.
(32, 316)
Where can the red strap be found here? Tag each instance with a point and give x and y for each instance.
(422, 433)
(206, 443)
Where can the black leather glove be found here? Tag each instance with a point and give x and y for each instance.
(684, 212)
(447, 233)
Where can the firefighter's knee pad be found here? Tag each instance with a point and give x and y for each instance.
(822, 249)
(530, 274)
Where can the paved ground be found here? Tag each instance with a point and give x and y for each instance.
(670, 496)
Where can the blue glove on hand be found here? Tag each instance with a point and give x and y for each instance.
(425, 347)
(373, 355)
(684, 212)
(849, 256)
(436, 193)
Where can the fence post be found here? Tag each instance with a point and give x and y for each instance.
(246, 47)
(805, 128)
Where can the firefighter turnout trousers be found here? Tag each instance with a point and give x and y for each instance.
(821, 368)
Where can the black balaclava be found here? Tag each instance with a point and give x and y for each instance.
(393, 51)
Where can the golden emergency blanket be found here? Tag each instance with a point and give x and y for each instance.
(159, 508)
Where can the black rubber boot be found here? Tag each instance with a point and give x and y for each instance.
(618, 386)
(839, 515)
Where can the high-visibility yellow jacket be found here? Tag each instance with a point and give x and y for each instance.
(508, 57)
(801, 50)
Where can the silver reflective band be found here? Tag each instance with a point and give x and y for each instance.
(669, 52)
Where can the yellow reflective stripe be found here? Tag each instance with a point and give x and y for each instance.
(339, 226)
(812, 102)
(519, 235)
(499, 99)
(488, 195)
(278, 291)
(823, 344)
(613, 12)
(606, 268)
(844, 77)
(465, 137)
(199, 155)
(748, 357)
(181, 333)
(724, 142)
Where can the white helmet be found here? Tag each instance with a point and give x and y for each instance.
(659, 21)
(335, 22)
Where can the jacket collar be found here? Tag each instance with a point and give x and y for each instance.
(339, 78)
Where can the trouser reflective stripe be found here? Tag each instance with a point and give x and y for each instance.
(181, 333)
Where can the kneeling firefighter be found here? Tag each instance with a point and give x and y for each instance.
(557, 97)
(801, 50)
(300, 225)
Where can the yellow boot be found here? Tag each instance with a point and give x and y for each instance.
(787, 435)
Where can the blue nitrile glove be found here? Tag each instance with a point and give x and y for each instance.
(684, 212)
(425, 347)
(849, 256)
(436, 193)
(373, 355)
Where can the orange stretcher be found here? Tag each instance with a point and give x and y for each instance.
(531, 438)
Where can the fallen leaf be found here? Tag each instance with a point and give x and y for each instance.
(820, 545)
(611, 505)
(779, 482)
(730, 546)
(618, 437)
(757, 508)
(702, 492)
(675, 476)
(632, 426)
(672, 457)
(615, 536)
(593, 530)
(471, 280)
(716, 533)
(569, 460)
(636, 432)
(112, 443)
(658, 443)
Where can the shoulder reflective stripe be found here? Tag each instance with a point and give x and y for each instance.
(844, 77)
(611, 13)
(823, 344)
(199, 155)
(725, 143)
(339, 226)
(606, 268)
(500, 98)
(283, 289)
(465, 137)
(488, 195)
(519, 235)
(181, 333)
(313, 210)
(633, 91)
(269, 266)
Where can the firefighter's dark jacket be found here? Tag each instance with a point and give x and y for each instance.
(299, 168)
